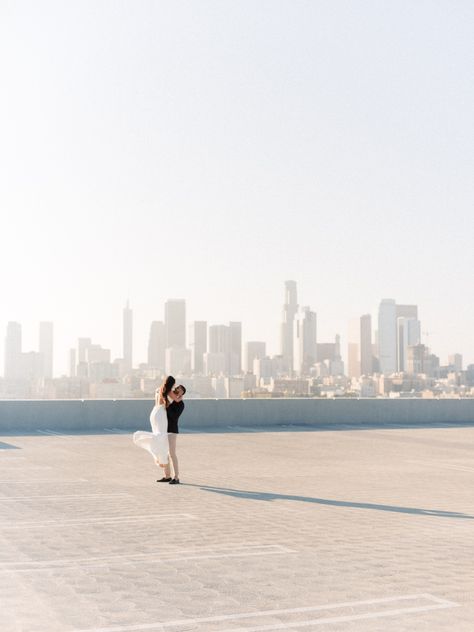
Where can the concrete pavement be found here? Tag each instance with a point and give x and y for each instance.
(340, 530)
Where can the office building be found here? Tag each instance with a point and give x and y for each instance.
(264, 369)
(353, 349)
(177, 361)
(235, 348)
(387, 336)
(366, 347)
(305, 350)
(455, 361)
(416, 359)
(407, 311)
(408, 335)
(13, 366)
(96, 353)
(329, 350)
(290, 308)
(128, 338)
(82, 345)
(198, 345)
(254, 350)
(175, 323)
(157, 346)
(46, 348)
(72, 363)
(215, 363)
(219, 343)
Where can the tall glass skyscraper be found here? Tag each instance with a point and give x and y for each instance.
(46, 347)
(290, 308)
(175, 323)
(387, 336)
(127, 337)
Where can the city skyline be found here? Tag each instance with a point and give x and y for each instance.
(209, 150)
(177, 332)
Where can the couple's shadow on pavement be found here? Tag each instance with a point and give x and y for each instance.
(266, 496)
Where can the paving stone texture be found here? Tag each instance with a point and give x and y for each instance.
(340, 530)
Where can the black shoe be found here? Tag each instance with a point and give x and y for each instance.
(174, 481)
(163, 480)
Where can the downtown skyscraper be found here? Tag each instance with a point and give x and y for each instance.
(305, 345)
(46, 348)
(290, 308)
(13, 364)
(175, 323)
(387, 336)
(127, 337)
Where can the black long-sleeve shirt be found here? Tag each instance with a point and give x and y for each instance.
(173, 412)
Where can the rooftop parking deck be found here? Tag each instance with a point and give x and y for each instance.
(339, 529)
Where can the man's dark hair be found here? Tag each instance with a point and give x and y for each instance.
(184, 388)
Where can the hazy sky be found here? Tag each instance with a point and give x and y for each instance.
(209, 150)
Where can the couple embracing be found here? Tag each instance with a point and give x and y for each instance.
(161, 442)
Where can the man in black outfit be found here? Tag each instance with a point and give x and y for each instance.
(173, 412)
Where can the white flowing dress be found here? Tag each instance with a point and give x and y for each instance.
(155, 442)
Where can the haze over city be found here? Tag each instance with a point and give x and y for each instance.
(210, 151)
(236, 315)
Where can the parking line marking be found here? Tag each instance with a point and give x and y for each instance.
(62, 497)
(449, 466)
(6, 466)
(147, 558)
(39, 524)
(436, 603)
(44, 480)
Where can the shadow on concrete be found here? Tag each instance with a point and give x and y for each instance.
(8, 446)
(265, 496)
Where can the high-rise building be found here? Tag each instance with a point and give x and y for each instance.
(290, 308)
(328, 350)
(219, 343)
(387, 336)
(407, 311)
(416, 356)
(32, 366)
(175, 323)
(366, 354)
(198, 345)
(235, 348)
(253, 351)
(305, 350)
(46, 348)
(215, 363)
(82, 345)
(157, 345)
(263, 368)
(353, 349)
(225, 340)
(178, 361)
(128, 337)
(219, 339)
(408, 335)
(72, 363)
(13, 362)
(455, 361)
(96, 353)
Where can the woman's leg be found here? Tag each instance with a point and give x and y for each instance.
(173, 456)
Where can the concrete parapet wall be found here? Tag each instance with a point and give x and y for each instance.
(97, 415)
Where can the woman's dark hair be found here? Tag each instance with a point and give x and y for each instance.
(166, 387)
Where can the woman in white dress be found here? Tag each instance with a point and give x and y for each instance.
(156, 442)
